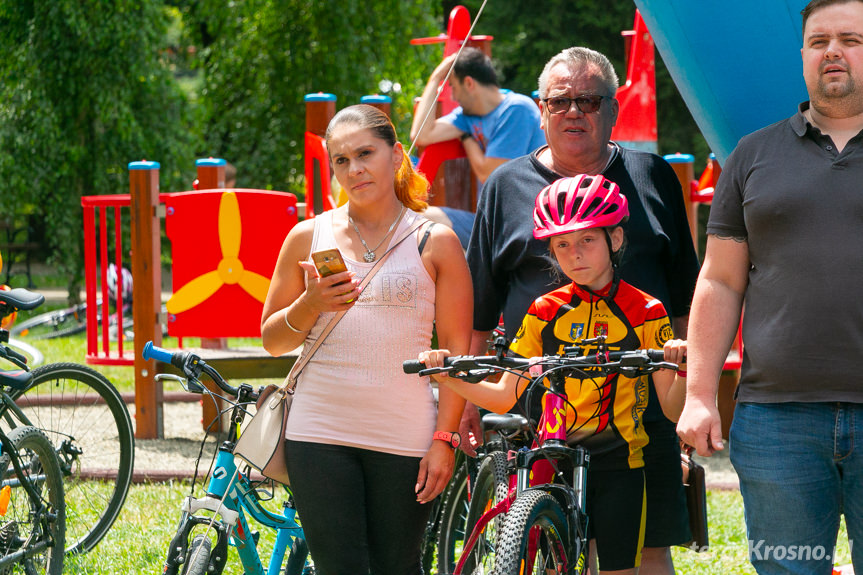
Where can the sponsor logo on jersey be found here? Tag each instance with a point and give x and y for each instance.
(664, 334)
(600, 328)
(575, 331)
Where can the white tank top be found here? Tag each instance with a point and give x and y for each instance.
(353, 391)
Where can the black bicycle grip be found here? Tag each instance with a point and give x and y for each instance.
(416, 366)
(655, 355)
(413, 366)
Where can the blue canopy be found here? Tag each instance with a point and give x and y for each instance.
(736, 62)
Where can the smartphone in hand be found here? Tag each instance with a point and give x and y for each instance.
(329, 262)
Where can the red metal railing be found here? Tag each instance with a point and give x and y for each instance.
(106, 214)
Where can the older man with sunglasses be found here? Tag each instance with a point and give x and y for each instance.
(510, 268)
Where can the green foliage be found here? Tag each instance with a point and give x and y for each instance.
(259, 58)
(85, 89)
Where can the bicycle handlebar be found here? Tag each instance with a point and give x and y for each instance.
(638, 359)
(190, 364)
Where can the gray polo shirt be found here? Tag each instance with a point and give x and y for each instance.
(799, 204)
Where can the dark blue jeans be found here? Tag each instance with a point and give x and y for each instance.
(358, 508)
(800, 467)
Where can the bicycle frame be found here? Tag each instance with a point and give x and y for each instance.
(535, 471)
(229, 495)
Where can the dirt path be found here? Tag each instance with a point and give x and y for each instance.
(178, 450)
(183, 435)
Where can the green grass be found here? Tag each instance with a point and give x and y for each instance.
(728, 543)
(138, 541)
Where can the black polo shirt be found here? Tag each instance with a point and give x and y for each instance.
(799, 204)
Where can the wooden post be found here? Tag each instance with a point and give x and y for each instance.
(320, 109)
(147, 301)
(211, 175)
(683, 167)
(379, 101)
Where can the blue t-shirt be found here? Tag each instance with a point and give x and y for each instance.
(509, 131)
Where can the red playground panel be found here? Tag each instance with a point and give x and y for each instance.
(224, 246)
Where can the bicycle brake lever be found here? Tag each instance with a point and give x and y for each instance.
(477, 375)
(13, 356)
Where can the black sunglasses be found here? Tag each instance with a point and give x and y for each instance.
(586, 104)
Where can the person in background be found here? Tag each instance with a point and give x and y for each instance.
(230, 175)
(784, 237)
(366, 449)
(510, 268)
(493, 127)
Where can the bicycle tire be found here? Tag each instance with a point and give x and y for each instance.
(198, 556)
(38, 459)
(491, 487)
(428, 546)
(297, 559)
(53, 324)
(453, 521)
(536, 525)
(61, 401)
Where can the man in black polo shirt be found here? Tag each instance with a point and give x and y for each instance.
(786, 236)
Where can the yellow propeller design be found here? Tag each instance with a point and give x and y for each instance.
(229, 271)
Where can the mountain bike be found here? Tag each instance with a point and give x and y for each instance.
(545, 526)
(32, 521)
(210, 523)
(85, 419)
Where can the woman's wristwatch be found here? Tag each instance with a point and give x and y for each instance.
(453, 439)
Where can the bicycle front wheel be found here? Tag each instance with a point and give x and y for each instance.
(22, 525)
(453, 521)
(534, 537)
(198, 557)
(86, 420)
(492, 487)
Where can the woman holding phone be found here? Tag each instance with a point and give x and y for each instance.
(366, 448)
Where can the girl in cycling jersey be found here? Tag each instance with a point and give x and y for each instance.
(581, 217)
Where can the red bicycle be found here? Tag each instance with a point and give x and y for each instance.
(526, 515)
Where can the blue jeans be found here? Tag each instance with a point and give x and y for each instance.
(800, 468)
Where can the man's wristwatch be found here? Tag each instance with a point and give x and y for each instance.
(465, 136)
(453, 439)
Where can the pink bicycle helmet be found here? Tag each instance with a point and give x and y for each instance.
(578, 203)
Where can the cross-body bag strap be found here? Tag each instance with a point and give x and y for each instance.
(291, 380)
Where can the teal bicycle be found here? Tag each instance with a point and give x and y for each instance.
(210, 524)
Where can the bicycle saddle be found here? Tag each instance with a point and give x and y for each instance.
(506, 422)
(21, 299)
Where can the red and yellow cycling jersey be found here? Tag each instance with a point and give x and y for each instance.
(604, 413)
